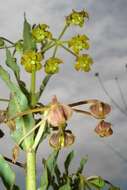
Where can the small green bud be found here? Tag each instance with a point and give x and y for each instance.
(40, 33)
(52, 65)
(84, 63)
(78, 43)
(77, 18)
(2, 43)
(19, 46)
(31, 61)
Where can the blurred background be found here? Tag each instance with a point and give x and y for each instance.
(107, 30)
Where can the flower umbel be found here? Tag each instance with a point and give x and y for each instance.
(78, 43)
(77, 18)
(104, 129)
(40, 33)
(31, 61)
(52, 65)
(84, 63)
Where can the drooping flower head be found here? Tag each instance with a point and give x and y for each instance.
(104, 129)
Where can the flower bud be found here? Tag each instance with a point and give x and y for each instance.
(60, 140)
(84, 63)
(58, 113)
(100, 109)
(52, 65)
(104, 129)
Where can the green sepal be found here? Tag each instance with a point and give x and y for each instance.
(68, 160)
(18, 103)
(11, 62)
(28, 41)
(7, 175)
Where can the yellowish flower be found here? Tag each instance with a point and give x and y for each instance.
(77, 18)
(78, 43)
(40, 33)
(104, 129)
(83, 63)
(52, 65)
(31, 61)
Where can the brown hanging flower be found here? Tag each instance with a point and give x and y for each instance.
(100, 109)
(61, 139)
(58, 113)
(104, 129)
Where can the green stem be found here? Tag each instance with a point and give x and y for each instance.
(7, 47)
(68, 50)
(31, 171)
(31, 155)
(33, 87)
(4, 100)
(5, 39)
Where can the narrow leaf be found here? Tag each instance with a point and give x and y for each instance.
(11, 62)
(6, 173)
(65, 187)
(82, 164)
(28, 41)
(68, 161)
(44, 180)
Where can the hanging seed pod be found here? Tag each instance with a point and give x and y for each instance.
(60, 140)
(104, 129)
(100, 109)
(58, 113)
(3, 116)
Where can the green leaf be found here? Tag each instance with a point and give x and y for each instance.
(6, 173)
(68, 160)
(97, 182)
(57, 173)
(82, 164)
(11, 62)
(44, 180)
(49, 167)
(65, 187)
(28, 41)
(18, 103)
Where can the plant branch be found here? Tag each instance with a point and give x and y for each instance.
(16, 163)
(5, 39)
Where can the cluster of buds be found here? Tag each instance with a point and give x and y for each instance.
(40, 33)
(77, 18)
(31, 61)
(78, 43)
(52, 65)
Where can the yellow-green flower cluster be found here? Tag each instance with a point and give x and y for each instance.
(77, 18)
(84, 63)
(31, 61)
(78, 43)
(40, 33)
(52, 65)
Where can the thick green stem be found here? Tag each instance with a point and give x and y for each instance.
(30, 154)
(31, 171)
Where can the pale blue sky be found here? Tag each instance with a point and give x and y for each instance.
(107, 30)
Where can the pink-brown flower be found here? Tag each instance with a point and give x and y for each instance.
(104, 129)
(58, 113)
